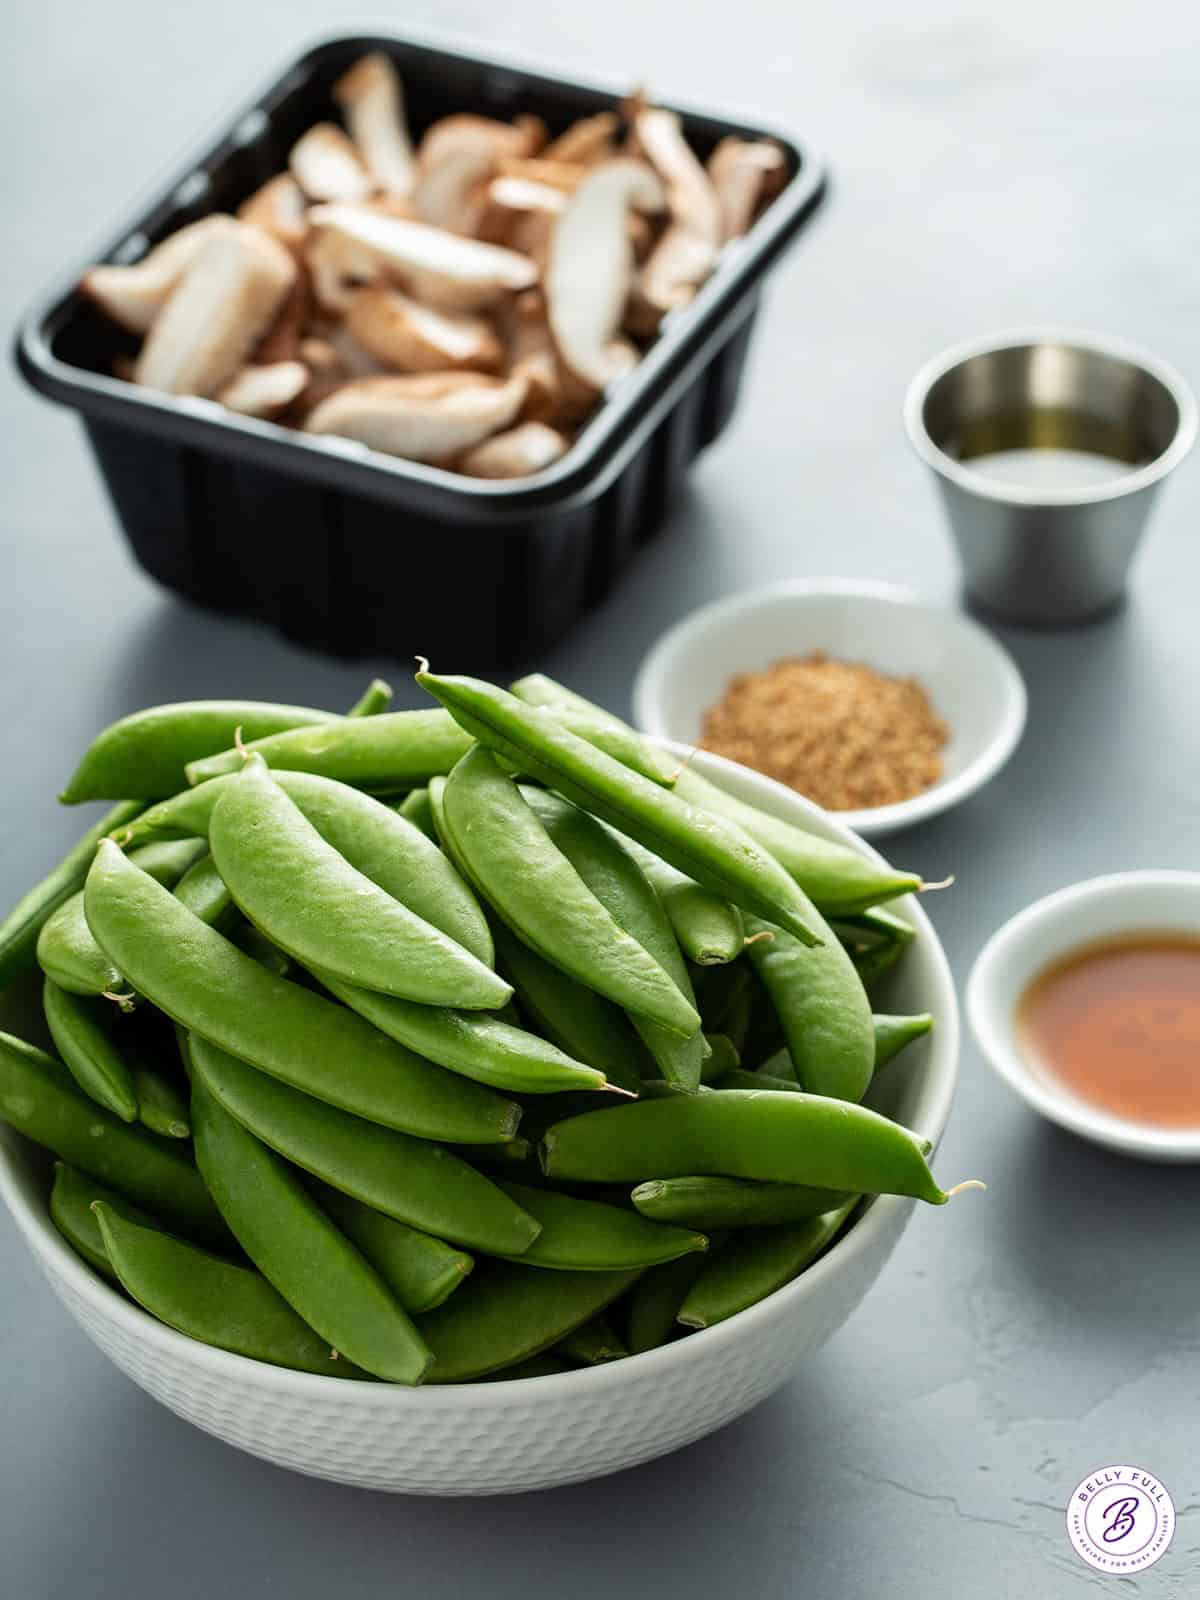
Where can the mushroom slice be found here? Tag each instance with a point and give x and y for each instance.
(327, 166)
(687, 251)
(281, 342)
(264, 391)
(443, 269)
(590, 270)
(279, 206)
(527, 448)
(564, 175)
(524, 194)
(372, 98)
(134, 295)
(589, 140)
(217, 313)
(429, 417)
(320, 356)
(481, 135)
(744, 172)
(411, 337)
(340, 266)
(453, 194)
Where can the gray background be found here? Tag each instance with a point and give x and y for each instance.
(1035, 161)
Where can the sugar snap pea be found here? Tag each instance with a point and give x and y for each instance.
(375, 698)
(508, 1313)
(416, 1182)
(708, 927)
(299, 1250)
(415, 808)
(607, 732)
(751, 1266)
(259, 948)
(473, 1043)
(398, 750)
(40, 1099)
(718, 1203)
(161, 1105)
(893, 1033)
(760, 1078)
(590, 1236)
(421, 1271)
(81, 1038)
(653, 1303)
(722, 1059)
(822, 1007)
(311, 902)
(837, 879)
(780, 1138)
(724, 995)
(213, 1301)
(203, 981)
(204, 892)
(20, 929)
(145, 754)
(622, 888)
(71, 1213)
(695, 841)
(533, 887)
(66, 948)
(592, 1344)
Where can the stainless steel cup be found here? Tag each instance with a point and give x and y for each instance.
(1032, 553)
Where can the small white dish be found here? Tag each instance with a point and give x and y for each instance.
(971, 680)
(1100, 908)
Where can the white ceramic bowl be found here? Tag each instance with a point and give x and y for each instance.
(493, 1438)
(971, 680)
(1101, 908)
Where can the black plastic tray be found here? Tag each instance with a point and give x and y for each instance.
(364, 554)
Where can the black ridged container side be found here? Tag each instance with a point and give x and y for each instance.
(363, 555)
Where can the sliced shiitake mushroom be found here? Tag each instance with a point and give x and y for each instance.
(587, 141)
(134, 295)
(529, 447)
(744, 173)
(464, 130)
(265, 391)
(564, 175)
(281, 342)
(590, 268)
(430, 417)
(372, 98)
(443, 269)
(404, 334)
(279, 206)
(339, 265)
(453, 194)
(327, 166)
(687, 251)
(217, 313)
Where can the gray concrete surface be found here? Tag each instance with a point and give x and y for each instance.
(992, 165)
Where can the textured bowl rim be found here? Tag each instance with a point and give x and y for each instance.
(1011, 710)
(929, 1120)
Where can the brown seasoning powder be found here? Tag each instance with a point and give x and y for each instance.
(837, 731)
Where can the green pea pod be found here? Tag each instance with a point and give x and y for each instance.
(723, 1058)
(893, 1033)
(823, 1008)
(836, 879)
(593, 1344)
(877, 924)
(204, 892)
(653, 1303)
(145, 754)
(416, 1182)
(536, 689)
(708, 927)
(76, 1026)
(40, 1099)
(622, 888)
(161, 1106)
(877, 961)
(760, 1078)
(584, 1025)
(472, 1043)
(399, 750)
(421, 1271)
(372, 837)
(259, 948)
(212, 1301)
(308, 899)
(589, 1236)
(533, 887)
(375, 698)
(718, 1203)
(699, 844)
(415, 808)
(205, 983)
(724, 995)
(750, 1267)
(21, 927)
(71, 1213)
(508, 1313)
(67, 950)
(608, 733)
(779, 1138)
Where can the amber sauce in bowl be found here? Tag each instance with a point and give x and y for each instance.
(1117, 1022)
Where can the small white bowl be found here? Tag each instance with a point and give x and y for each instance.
(501, 1437)
(1101, 908)
(971, 680)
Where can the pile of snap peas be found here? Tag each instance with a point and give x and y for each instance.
(443, 1045)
